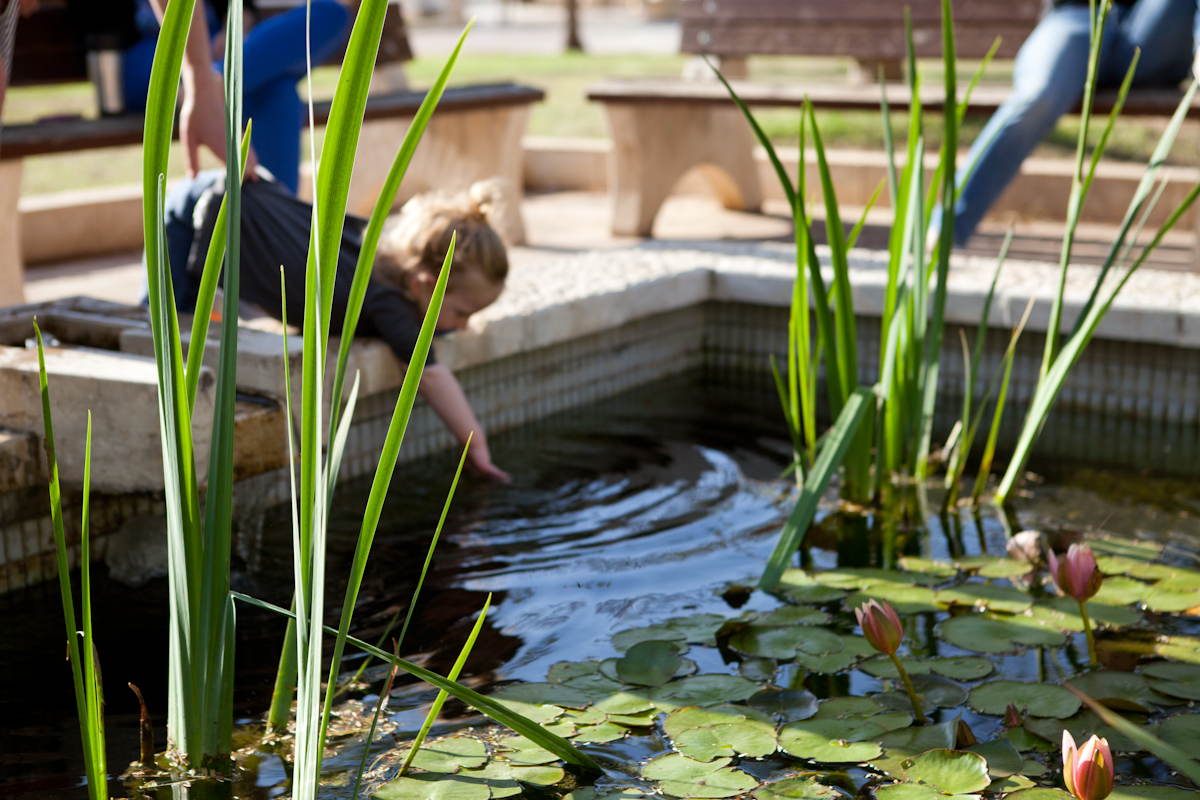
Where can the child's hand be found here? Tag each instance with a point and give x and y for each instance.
(480, 463)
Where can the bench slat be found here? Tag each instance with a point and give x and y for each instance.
(19, 141)
(984, 100)
(840, 11)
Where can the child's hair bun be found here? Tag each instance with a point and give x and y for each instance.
(486, 198)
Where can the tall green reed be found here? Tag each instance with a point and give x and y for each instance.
(85, 667)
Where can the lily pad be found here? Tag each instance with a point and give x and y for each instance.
(1003, 758)
(1180, 579)
(934, 691)
(567, 670)
(1141, 549)
(884, 668)
(905, 743)
(450, 755)
(927, 571)
(1033, 699)
(792, 615)
(626, 639)
(698, 628)
(1122, 565)
(643, 720)
(907, 791)
(988, 567)
(630, 701)
(540, 714)
(904, 598)
(861, 577)
(784, 643)
(598, 684)
(759, 670)
(963, 668)
(702, 690)
(1183, 731)
(649, 663)
(1010, 784)
(435, 786)
(949, 771)
(1025, 740)
(607, 793)
(799, 587)
(1063, 613)
(552, 694)
(749, 738)
(1119, 591)
(519, 750)
(784, 705)
(986, 595)
(1163, 601)
(853, 649)
(995, 633)
(1180, 648)
(831, 741)
(1123, 691)
(1082, 726)
(848, 708)
(599, 734)
(1151, 793)
(680, 776)
(1039, 794)
(686, 719)
(799, 789)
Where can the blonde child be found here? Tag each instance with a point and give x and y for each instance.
(275, 231)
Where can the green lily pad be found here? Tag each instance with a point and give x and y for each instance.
(1151, 793)
(1003, 758)
(994, 633)
(608, 793)
(1039, 794)
(602, 733)
(597, 685)
(1183, 731)
(435, 786)
(702, 690)
(1082, 726)
(749, 738)
(1010, 784)
(1033, 699)
(799, 789)
(986, 595)
(907, 791)
(1169, 671)
(1141, 549)
(609, 672)
(1121, 565)
(1063, 613)
(759, 670)
(519, 750)
(831, 741)
(548, 694)
(905, 743)
(799, 587)
(643, 720)
(1033, 768)
(1160, 600)
(934, 691)
(784, 705)
(883, 667)
(1118, 690)
(1180, 690)
(504, 775)
(692, 717)
(904, 598)
(649, 663)
(680, 776)
(963, 668)
(1180, 648)
(988, 567)
(861, 577)
(784, 643)
(450, 755)
(949, 771)
(698, 628)
(853, 649)
(792, 615)
(567, 670)
(1120, 591)
(626, 639)
(1025, 740)
(1180, 579)
(585, 716)
(541, 714)
(928, 571)
(630, 701)
(848, 708)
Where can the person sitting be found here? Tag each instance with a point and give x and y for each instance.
(1048, 81)
(275, 231)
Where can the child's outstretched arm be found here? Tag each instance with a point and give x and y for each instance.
(442, 390)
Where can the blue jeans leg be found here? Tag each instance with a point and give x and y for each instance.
(178, 208)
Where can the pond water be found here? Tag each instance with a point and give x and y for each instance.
(635, 510)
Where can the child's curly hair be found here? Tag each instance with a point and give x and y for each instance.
(419, 237)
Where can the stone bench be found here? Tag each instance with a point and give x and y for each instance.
(662, 129)
(474, 134)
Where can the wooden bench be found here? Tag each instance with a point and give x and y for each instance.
(662, 129)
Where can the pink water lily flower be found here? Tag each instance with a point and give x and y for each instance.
(880, 625)
(1087, 771)
(1076, 575)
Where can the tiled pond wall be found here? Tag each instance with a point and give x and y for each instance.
(1133, 401)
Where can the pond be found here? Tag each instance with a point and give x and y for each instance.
(647, 516)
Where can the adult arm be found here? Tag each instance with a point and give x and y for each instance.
(202, 116)
(442, 390)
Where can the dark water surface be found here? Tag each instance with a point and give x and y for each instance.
(627, 512)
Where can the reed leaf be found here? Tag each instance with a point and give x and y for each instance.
(439, 701)
(833, 451)
(989, 450)
(522, 725)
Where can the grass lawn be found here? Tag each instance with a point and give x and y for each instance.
(566, 112)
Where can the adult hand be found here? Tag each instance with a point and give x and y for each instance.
(202, 121)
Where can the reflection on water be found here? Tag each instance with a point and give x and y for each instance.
(627, 512)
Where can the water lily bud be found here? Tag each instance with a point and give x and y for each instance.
(964, 736)
(1087, 771)
(881, 625)
(1026, 546)
(1076, 575)
(1012, 717)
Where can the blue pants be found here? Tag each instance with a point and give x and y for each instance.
(1048, 80)
(274, 61)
